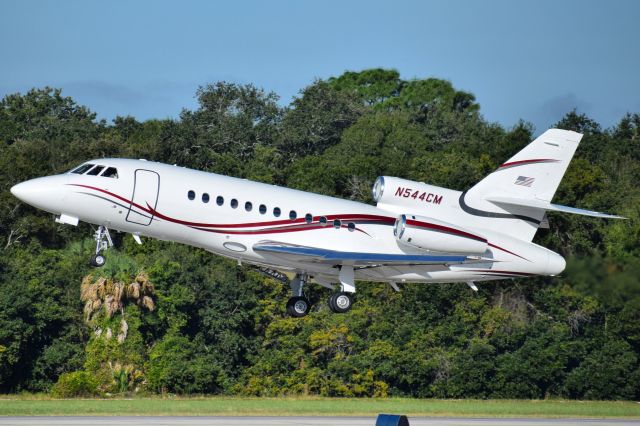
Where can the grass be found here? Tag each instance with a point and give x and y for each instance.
(34, 405)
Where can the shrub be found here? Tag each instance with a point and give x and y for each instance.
(74, 384)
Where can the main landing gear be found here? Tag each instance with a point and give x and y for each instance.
(103, 242)
(298, 305)
(340, 302)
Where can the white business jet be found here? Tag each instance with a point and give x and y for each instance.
(415, 233)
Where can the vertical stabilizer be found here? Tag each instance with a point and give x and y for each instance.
(533, 174)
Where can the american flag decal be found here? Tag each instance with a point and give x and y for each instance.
(524, 181)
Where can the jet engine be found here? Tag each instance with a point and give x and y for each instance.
(392, 193)
(435, 235)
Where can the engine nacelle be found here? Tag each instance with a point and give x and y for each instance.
(435, 235)
(408, 195)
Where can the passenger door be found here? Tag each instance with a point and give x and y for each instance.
(146, 187)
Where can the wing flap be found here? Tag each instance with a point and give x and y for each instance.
(319, 255)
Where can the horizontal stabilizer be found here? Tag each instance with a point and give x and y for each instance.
(547, 206)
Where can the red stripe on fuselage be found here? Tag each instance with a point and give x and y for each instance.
(353, 217)
(460, 233)
(104, 191)
(446, 229)
(373, 219)
(507, 251)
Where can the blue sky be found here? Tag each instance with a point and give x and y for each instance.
(531, 60)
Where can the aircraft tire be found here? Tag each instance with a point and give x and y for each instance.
(298, 306)
(97, 260)
(340, 302)
(331, 303)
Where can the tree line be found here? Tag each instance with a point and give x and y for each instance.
(167, 318)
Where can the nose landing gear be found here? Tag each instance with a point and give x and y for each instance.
(103, 242)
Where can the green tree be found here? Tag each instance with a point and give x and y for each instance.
(230, 122)
(609, 372)
(316, 119)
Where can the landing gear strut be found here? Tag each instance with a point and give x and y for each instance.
(298, 305)
(103, 242)
(342, 301)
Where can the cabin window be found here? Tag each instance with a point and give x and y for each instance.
(323, 220)
(80, 170)
(293, 215)
(219, 200)
(308, 218)
(95, 171)
(351, 226)
(191, 195)
(111, 172)
(262, 208)
(205, 198)
(337, 223)
(248, 206)
(276, 211)
(234, 203)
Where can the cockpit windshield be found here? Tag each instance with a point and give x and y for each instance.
(82, 169)
(96, 170)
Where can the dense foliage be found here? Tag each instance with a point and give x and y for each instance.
(164, 317)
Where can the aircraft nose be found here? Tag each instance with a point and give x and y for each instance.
(46, 193)
(24, 191)
(556, 264)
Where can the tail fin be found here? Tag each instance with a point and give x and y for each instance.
(515, 192)
(536, 171)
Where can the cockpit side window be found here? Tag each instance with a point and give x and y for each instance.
(95, 171)
(111, 172)
(80, 170)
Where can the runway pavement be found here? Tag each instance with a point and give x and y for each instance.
(302, 421)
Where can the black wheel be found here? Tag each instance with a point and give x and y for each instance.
(97, 260)
(340, 302)
(298, 306)
(332, 303)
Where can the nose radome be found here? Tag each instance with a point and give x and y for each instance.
(15, 190)
(46, 193)
(24, 191)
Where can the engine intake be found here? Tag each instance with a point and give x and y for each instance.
(435, 235)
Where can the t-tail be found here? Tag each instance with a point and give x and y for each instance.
(522, 188)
